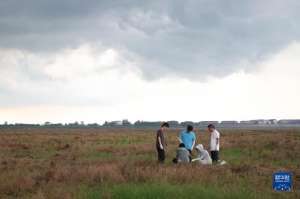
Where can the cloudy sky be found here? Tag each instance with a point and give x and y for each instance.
(68, 60)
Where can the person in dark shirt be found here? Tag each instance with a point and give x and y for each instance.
(161, 142)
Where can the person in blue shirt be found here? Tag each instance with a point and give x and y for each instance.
(188, 138)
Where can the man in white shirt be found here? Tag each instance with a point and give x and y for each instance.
(214, 143)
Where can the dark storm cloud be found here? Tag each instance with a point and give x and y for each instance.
(186, 38)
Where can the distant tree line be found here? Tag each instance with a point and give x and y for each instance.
(156, 124)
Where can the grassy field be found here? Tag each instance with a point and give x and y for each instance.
(121, 163)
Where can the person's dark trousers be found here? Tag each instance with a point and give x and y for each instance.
(161, 155)
(214, 156)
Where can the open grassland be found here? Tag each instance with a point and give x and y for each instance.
(121, 163)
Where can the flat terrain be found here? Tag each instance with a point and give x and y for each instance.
(121, 163)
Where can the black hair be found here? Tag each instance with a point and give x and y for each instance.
(189, 128)
(181, 145)
(165, 124)
(211, 126)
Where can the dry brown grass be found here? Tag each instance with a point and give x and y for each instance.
(53, 163)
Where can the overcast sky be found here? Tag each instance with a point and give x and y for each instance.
(68, 60)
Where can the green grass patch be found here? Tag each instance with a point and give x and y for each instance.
(96, 155)
(231, 155)
(44, 154)
(164, 191)
(35, 153)
(86, 192)
(121, 141)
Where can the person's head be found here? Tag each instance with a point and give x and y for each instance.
(181, 145)
(165, 125)
(199, 147)
(189, 128)
(211, 128)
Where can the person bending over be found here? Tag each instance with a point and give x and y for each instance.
(202, 155)
(182, 154)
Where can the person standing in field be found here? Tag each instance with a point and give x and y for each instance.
(161, 142)
(214, 143)
(188, 138)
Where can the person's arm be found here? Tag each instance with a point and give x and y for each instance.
(179, 139)
(160, 144)
(217, 141)
(203, 154)
(194, 142)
